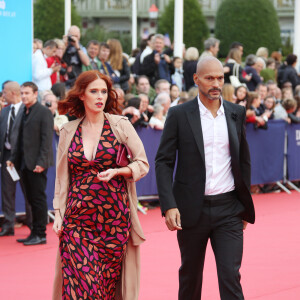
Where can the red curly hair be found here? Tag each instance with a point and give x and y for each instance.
(75, 107)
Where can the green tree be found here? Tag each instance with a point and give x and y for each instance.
(195, 29)
(49, 19)
(253, 23)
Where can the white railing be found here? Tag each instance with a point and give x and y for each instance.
(283, 4)
(115, 5)
(144, 5)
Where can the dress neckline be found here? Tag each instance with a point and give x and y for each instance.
(81, 141)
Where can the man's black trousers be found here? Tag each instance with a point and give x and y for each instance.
(221, 222)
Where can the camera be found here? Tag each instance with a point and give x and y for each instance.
(162, 56)
(63, 71)
(70, 40)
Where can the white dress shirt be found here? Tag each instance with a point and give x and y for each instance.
(17, 107)
(148, 50)
(219, 177)
(40, 71)
(156, 122)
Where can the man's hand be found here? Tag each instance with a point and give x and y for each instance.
(167, 58)
(172, 219)
(38, 169)
(75, 41)
(150, 108)
(260, 121)
(157, 58)
(245, 223)
(55, 68)
(9, 164)
(132, 111)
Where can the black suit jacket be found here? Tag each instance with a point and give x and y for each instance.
(182, 139)
(37, 132)
(15, 129)
(150, 68)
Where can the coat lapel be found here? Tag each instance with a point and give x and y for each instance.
(5, 113)
(193, 115)
(71, 128)
(231, 119)
(19, 116)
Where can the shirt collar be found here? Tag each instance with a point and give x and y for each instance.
(93, 59)
(30, 108)
(17, 105)
(204, 110)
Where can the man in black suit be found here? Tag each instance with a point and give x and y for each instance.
(34, 156)
(210, 196)
(10, 121)
(157, 64)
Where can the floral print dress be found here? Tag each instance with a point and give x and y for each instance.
(96, 224)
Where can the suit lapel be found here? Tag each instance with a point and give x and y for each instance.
(193, 115)
(5, 112)
(19, 116)
(231, 116)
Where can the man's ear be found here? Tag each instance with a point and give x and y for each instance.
(196, 79)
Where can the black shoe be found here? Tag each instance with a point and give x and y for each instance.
(35, 240)
(24, 240)
(7, 232)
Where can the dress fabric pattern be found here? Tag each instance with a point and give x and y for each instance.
(96, 224)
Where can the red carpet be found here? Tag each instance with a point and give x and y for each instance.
(270, 271)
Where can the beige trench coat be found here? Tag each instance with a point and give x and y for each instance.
(128, 287)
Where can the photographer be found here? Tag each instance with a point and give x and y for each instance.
(59, 75)
(157, 64)
(134, 114)
(40, 71)
(75, 55)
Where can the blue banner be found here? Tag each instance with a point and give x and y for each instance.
(293, 152)
(267, 152)
(16, 31)
(150, 138)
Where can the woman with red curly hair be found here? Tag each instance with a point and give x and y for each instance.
(95, 200)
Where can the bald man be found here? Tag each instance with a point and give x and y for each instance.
(10, 122)
(209, 197)
(75, 55)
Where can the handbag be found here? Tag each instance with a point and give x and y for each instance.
(124, 156)
(234, 78)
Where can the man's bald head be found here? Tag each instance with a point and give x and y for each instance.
(75, 31)
(12, 92)
(208, 61)
(12, 86)
(209, 78)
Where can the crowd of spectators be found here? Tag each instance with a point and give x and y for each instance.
(151, 80)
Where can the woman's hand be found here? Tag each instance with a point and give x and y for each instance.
(57, 223)
(107, 175)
